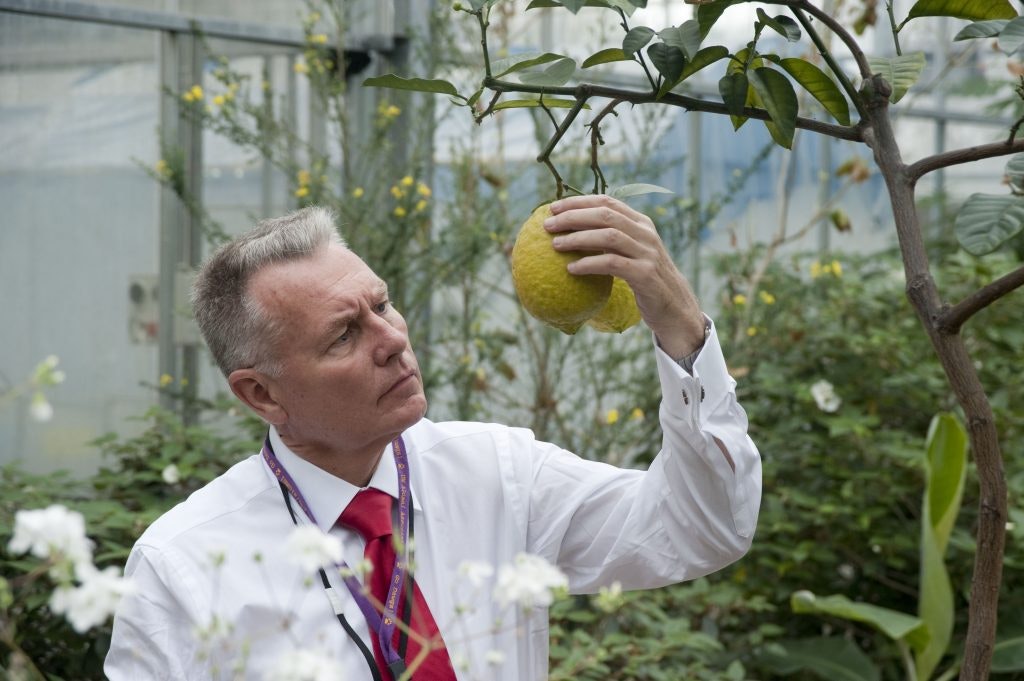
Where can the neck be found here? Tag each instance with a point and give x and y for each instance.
(354, 467)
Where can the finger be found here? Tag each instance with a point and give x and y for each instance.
(598, 217)
(607, 240)
(596, 201)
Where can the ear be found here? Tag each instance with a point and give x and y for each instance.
(253, 388)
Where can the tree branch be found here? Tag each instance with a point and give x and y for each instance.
(966, 155)
(826, 54)
(952, 318)
(595, 140)
(852, 133)
(839, 31)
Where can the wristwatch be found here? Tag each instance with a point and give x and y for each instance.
(687, 362)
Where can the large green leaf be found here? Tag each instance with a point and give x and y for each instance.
(986, 221)
(821, 87)
(604, 57)
(627, 190)
(981, 29)
(709, 12)
(1012, 36)
(778, 98)
(830, 658)
(554, 75)
(686, 37)
(574, 5)
(781, 24)
(963, 9)
(945, 470)
(1015, 173)
(549, 102)
(896, 625)
(705, 57)
(520, 62)
(733, 88)
(901, 72)
(437, 86)
(636, 39)
(668, 60)
(1008, 655)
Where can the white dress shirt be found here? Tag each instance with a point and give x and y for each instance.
(218, 598)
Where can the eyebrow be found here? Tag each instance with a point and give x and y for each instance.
(342, 320)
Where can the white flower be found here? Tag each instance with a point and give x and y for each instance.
(529, 582)
(476, 572)
(171, 474)
(824, 394)
(51, 532)
(304, 665)
(94, 600)
(310, 548)
(609, 598)
(494, 658)
(40, 408)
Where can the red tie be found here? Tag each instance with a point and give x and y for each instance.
(369, 514)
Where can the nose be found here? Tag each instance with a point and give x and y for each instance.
(390, 338)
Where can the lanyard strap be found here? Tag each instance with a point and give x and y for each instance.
(382, 623)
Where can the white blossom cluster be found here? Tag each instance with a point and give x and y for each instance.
(529, 582)
(304, 665)
(311, 548)
(84, 595)
(824, 394)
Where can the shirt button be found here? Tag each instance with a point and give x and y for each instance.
(686, 398)
(702, 393)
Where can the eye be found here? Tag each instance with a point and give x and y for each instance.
(381, 308)
(344, 337)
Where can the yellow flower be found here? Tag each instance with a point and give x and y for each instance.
(837, 269)
(397, 192)
(232, 89)
(166, 380)
(766, 298)
(318, 39)
(407, 181)
(219, 100)
(188, 97)
(303, 177)
(302, 192)
(161, 167)
(612, 416)
(637, 414)
(392, 111)
(196, 92)
(422, 189)
(399, 212)
(300, 67)
(421, 205)
(358, 192)
(816, 269)
(751, 330)
(739, 299)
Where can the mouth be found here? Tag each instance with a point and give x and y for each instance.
(404, 381)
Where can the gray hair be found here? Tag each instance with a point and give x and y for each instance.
(237, 329)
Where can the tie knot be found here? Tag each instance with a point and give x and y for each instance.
(369, 514)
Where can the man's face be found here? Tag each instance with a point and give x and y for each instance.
(349, 379)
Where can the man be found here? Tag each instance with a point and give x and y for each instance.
(305, 334)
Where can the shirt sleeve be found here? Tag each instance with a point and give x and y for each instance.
(692, 512)
(153, 636)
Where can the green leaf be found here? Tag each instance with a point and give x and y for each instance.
(549, 102)
(668, 60)
(781, 24)
(628, 190)
(1012, 36)
(1015, 173)
(708, 13)
(636, 39)
(705, 57)
(986, 221)
(945, 468)
(981, 29)
(778, 98)
(896, 625)
(733, 88)
(830, 658)
(820, 86)
(554, 75)
(442, 87)
(605, 56)
(900, 72)
(519, 62)
(1008, 655)
(686, 37)
(624, 5)
(963, 9)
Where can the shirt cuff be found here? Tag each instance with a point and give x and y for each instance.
(687, 362)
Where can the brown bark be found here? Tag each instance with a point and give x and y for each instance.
(963, 379)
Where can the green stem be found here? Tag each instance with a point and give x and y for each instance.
(895, 29)
(908, 661)
(483, 40)
(826, 54)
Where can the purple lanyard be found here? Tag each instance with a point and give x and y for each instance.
(384, 626)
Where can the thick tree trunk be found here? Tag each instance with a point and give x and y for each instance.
(966, 385)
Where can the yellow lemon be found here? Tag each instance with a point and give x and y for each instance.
(545, 287)
(620, 312)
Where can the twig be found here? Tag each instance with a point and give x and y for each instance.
(917, 170)
(489, 110)
(560, 130)
(826, 54)
(895, 29)
(839, 31)
(600, 184)
(640, 57)
(952, 318)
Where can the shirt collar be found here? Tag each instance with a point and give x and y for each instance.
(329, 495)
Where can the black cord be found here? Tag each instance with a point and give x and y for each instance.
(367, 655)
